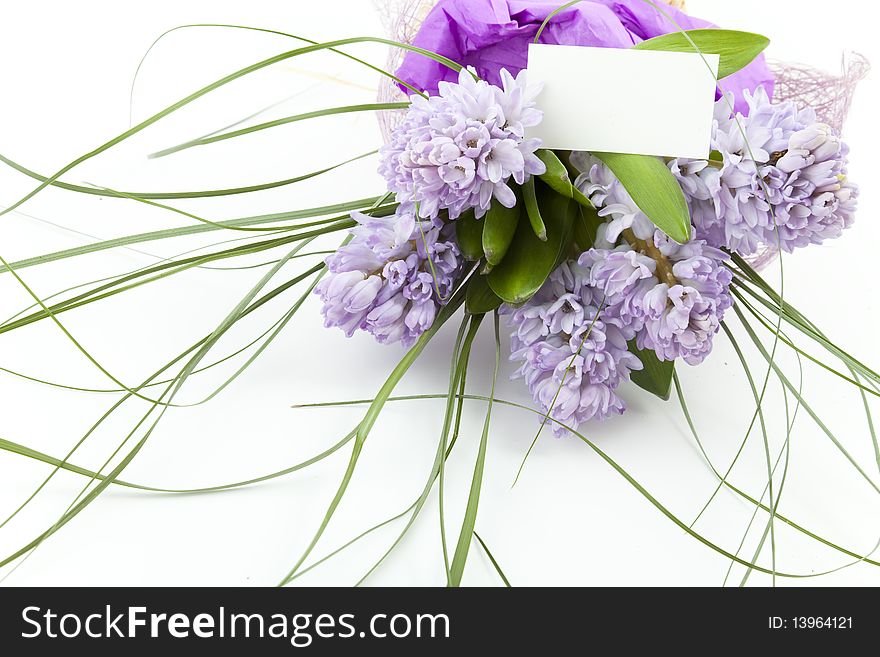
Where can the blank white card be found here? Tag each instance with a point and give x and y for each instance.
(624, 101)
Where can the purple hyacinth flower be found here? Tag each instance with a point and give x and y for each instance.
(391, 278)
(572, 353)
(456, 151)
(782, 181)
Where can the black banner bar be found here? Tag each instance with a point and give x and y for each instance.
(431, 621)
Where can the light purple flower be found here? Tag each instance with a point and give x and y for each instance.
(383, 281)
(572, 354)
(457, 151)
(782, 182)
(675, 312)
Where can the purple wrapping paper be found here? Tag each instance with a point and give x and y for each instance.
(494, 34)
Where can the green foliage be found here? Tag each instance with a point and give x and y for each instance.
(499, 227)
(557, 177)
(480, 298)
(656, 377)
(469, 233)
(530, 260)
(737, 49)
(530, 197)
(654, 189)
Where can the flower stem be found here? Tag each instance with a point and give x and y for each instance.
(645, 247)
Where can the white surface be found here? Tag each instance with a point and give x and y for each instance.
(66, 70)
(651, 103)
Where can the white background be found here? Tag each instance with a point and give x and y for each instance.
(66, 69)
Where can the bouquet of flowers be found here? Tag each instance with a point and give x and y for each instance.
(605, 269)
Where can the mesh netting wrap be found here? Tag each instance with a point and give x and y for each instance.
(401, 19)
(829, 94)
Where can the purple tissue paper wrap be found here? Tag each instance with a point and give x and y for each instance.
(494, 34)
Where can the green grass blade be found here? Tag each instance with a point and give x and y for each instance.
(164, 270)
(331, 45)
(333, 111)
(745, 496)
(470, 518)
(764, 322)
(751, 500)
(459, 368)
(171, 233)
(757, 415)
(351, 542)
(609, 461)
(416, 505)
(459, 361)
(46, 181)
(265, 31)
(370, 419)
(792, 316)
(173, 386)
(803, 403)
(27, 452)
(492, 559)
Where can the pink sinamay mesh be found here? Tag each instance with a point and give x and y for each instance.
(829, 94)
(401, 20)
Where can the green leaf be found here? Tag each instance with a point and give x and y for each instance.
(585, 228)
(534, 212)
(529, 260)
(480, 298)
(737, 49)
(557, 178)
(556, 175)
(656, 378)
(469, 232)
(580, 199)
(654, 189)
(499, 228)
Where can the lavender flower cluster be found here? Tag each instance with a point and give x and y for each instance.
(635, 284)
(571, 339)
(457, 151)
(573, 355)
(453, 152)
(391, 278)
(782, 180)
(673, 296)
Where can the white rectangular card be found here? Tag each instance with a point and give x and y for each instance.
(624, 101)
